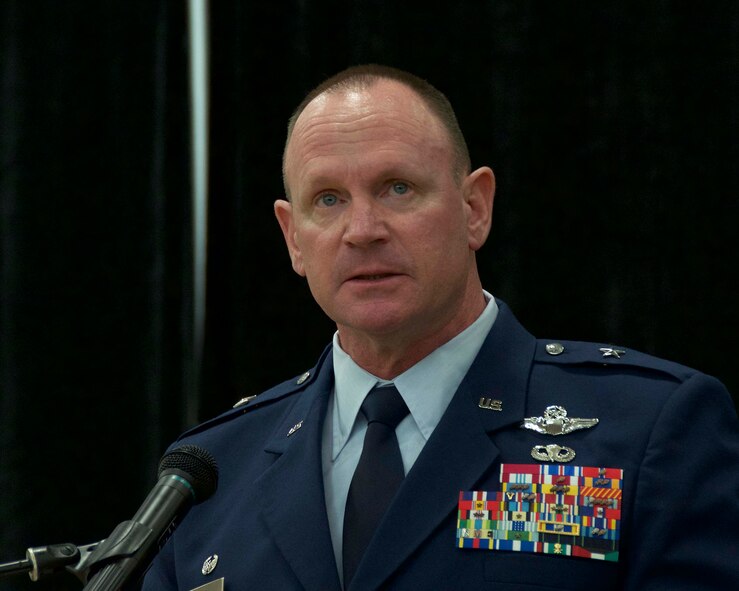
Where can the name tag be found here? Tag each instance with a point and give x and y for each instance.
(216, 585)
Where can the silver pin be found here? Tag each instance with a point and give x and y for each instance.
(490, 404)
(554, 348)
(552, 453)
(210, 564)
(556, 422)
(244, 400)
(608, 352)
(302, 378)
(294, 428)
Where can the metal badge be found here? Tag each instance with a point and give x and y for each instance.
(556, 422)
(490, 404)
(210, 564)
(608, 352)
(302, 378)
(552, 453)
(294, 428)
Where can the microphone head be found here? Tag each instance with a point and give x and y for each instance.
(194, 464)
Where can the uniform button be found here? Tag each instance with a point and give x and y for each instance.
(302, 378)
(555, 348)
(245, 400)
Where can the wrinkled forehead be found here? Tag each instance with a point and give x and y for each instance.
(387, 106)
(382, 96)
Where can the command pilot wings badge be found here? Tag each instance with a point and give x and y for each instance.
(556, 422)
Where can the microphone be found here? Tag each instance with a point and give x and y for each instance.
(187, 475)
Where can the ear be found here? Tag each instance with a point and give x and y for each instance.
(284, 215)
(479, 191)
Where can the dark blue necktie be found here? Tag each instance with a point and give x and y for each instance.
(377, 477)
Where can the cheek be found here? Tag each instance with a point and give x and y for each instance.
(446, 231)
(315, 256)
(439, 246)
(305, 242)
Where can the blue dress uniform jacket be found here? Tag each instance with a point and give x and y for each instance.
(672, 430)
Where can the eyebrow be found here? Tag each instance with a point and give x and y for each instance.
(404, 170)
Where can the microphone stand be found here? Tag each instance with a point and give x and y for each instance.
(109, 561)
(43, 561)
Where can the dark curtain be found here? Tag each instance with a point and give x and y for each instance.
(95, 264)
(612, 131)
(611, 128)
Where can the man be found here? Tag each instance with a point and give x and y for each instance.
(523, 464)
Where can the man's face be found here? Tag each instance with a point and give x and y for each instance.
(378, 224)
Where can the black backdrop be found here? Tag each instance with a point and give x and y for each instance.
(611, 127)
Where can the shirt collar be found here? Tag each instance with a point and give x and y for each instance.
(427, 387)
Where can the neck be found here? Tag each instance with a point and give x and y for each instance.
(389, 355)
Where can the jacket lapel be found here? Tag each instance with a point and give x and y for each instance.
(459, 452)
(298, 523)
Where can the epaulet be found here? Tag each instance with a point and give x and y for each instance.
(607, 356)
(252, 403)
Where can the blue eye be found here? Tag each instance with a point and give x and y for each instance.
(400, 188)
(328, 200)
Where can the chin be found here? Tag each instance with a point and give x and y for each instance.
(377, 321)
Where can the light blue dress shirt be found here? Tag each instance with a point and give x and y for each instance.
(427, 388)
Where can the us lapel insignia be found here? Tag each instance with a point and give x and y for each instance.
(490, 404)
(556, 422)
(294, 428)
(546, 509)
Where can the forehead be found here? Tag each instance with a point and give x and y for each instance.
(382, 97)
(385, 118)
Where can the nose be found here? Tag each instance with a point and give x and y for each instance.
(365, 223)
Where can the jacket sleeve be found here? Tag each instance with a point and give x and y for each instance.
(686, 512)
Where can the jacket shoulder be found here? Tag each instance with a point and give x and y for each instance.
(609, 357)
(286, 390)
